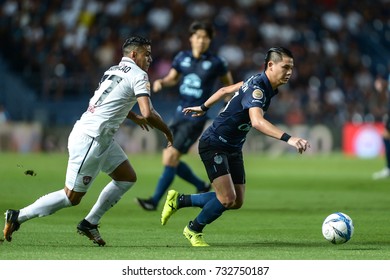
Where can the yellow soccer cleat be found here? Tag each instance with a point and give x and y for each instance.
(170, 206)
(195, 238)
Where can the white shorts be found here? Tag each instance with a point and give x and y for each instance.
(87, 157)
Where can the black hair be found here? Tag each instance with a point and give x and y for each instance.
(275, 54)
(136, 41)
(201, 25)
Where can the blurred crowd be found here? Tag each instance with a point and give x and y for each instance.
(61, 48)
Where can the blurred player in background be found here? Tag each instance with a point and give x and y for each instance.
(92, 147)
(220, 146)
(197, 71)
(4, 115)
(383, 87)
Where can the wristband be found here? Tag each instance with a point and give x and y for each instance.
(285, 137)
(203, 107)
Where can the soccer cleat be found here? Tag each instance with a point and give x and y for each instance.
(382, 174)
(207, 188)
(91, 231)
(195, 238)
(170, 206)
(11, 223)
(146, 204)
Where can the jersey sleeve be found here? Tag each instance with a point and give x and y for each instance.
(177, 60)
(142, 85)
(222, 68)
(254, 97)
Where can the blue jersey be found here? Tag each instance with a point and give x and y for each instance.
(198, 79)
(231, 126)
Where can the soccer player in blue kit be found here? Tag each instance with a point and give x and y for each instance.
(220, 146)
(382, 86)
(197, 71)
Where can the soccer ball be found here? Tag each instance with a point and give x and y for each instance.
(337, 228)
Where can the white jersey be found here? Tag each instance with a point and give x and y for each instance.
(114, 98)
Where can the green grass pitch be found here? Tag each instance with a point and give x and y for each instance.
(287, 199)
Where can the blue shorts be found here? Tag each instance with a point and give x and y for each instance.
(387, 123)
(219, 162)
(185, 134)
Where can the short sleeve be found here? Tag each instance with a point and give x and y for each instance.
(142, 85)
(254, 97)
(177, 60)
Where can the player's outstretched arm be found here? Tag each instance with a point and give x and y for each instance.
(171, 79)
(256, 115)
(218, 95)
(153, 117)
(140, 120)
(227, 80)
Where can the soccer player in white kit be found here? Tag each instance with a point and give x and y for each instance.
(92, 147)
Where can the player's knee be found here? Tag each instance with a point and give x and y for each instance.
(132, 178)
(75, 200)
(237, 205)
(128, 176)
(171, 157)
(74, 197)
(228, 201)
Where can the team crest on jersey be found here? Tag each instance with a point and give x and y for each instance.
(257, 94)
(87, 180)
(218, 159)
(186, 62)
(206, 65)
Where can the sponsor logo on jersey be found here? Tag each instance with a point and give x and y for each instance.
(147, 86)
(191, 86)
(257, 94)
(87, 180)
(255, 100)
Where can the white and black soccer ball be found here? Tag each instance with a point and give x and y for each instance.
(338, 228)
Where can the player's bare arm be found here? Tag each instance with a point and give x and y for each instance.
(171, 79)
(153, 117)
(258, 122)
(227, 80)
(218, 95)
(139, 120)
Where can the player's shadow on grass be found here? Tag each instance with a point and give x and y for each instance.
(281, 244)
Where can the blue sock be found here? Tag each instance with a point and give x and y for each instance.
(387, 151)
(201, 199)
(211, 211)
(185, 172)
(163, 184)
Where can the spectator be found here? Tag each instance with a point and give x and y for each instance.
(338, 39)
